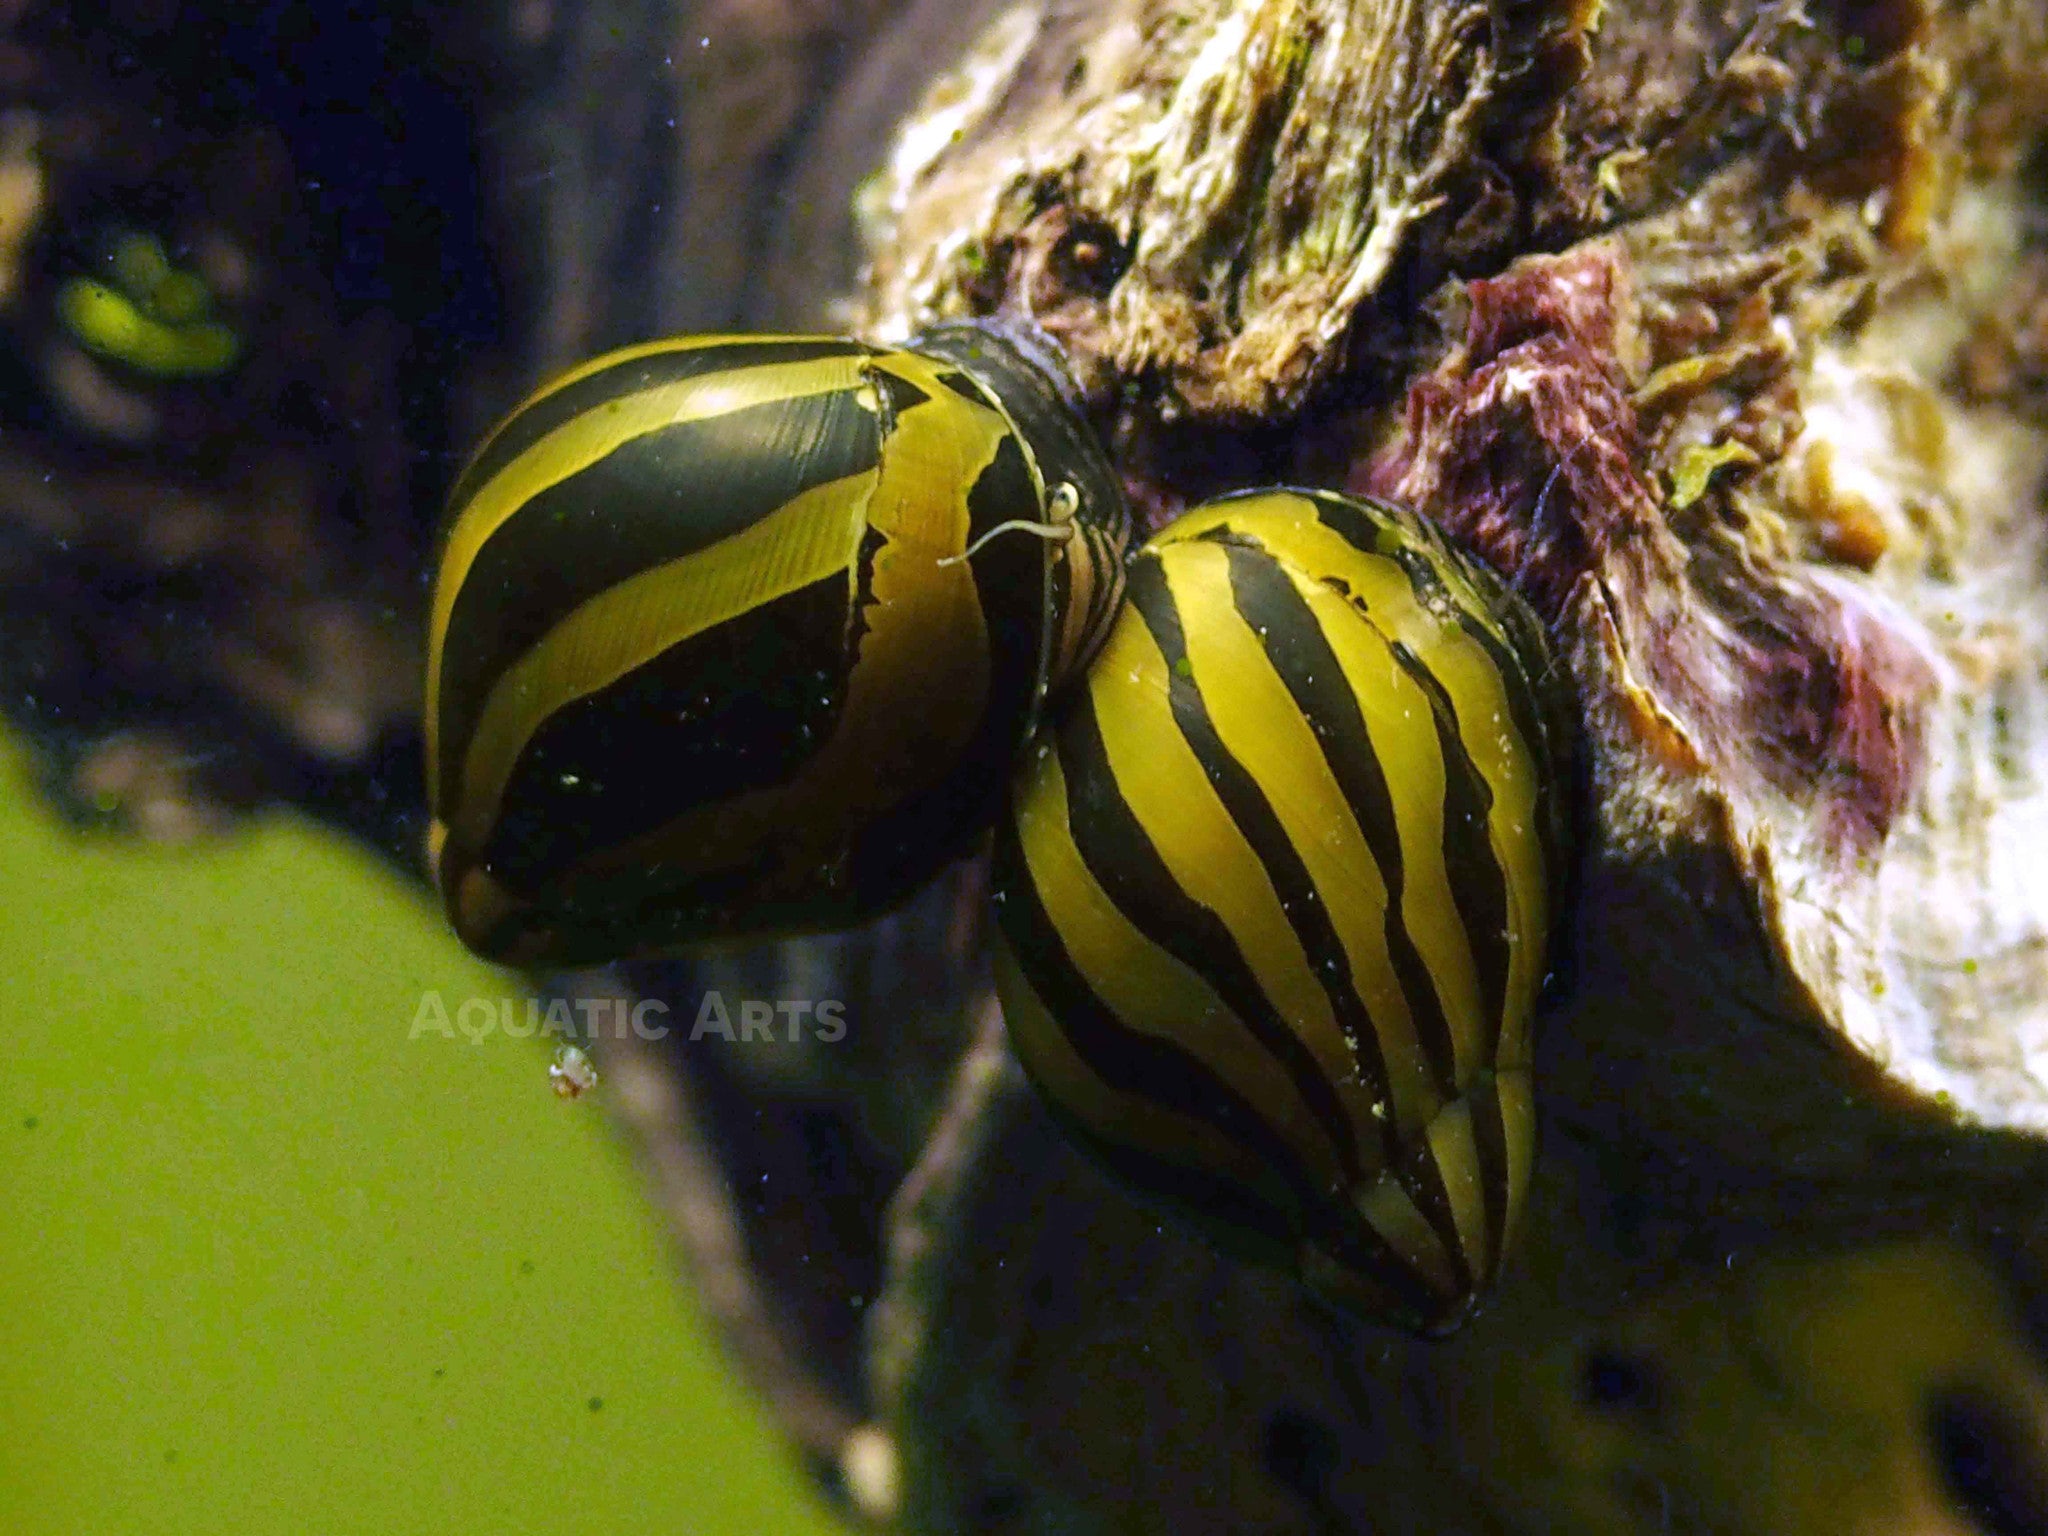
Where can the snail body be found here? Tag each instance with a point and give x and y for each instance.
(1274, 891)
(738, 636)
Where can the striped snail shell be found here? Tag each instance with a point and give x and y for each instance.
(740, 635)
(1274, 891)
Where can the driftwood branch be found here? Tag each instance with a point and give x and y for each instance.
(1673, 318)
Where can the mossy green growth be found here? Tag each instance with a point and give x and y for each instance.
(153, 316)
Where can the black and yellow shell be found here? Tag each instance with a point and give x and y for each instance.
(740, 635)
(1275, 889)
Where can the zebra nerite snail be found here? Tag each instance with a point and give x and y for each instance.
(740, 635)
(1274, 892)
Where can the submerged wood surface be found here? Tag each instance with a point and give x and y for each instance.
(1710, 326)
